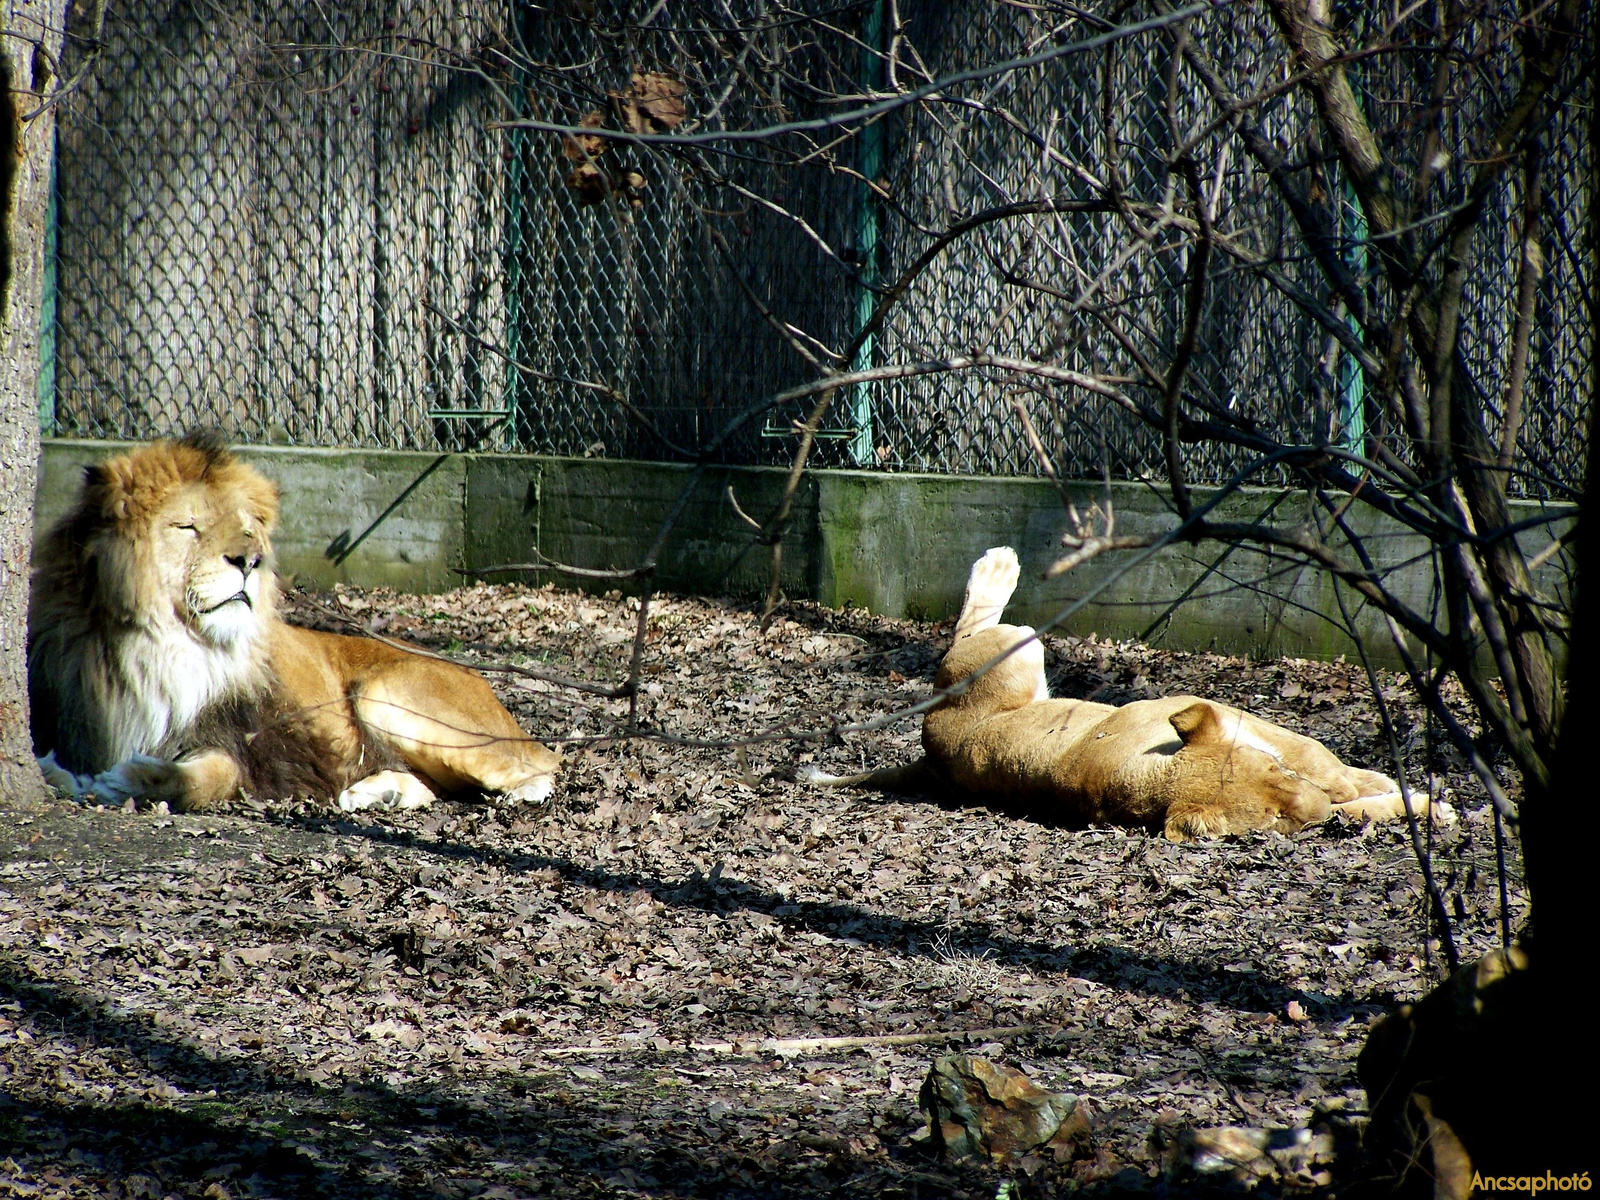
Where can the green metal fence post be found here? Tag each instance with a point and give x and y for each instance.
(47, 309)
(1352, 417)
(1352, 383)
(869, 161)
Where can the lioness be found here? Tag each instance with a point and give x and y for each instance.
(158, 666)
(1190, 767)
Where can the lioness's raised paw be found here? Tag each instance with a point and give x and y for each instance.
(989, 588)
(386, 790)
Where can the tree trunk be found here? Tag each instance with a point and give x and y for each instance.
(1494, 1072)
(27, 137)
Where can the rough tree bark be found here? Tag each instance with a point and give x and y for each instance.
(30, 45)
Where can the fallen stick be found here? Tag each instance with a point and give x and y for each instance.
(786, 1047)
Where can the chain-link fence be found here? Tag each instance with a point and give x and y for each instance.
(299, 224)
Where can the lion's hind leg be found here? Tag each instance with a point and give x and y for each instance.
(446, 724)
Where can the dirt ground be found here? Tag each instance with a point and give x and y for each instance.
(610, 995)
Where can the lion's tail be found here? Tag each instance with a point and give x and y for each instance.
(918, 776)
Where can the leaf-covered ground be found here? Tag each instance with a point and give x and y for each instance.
(610, 995)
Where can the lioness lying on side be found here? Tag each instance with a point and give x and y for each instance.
(1187, 766)
(159, 669)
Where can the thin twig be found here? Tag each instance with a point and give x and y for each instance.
(787, 1047)
(547, 564)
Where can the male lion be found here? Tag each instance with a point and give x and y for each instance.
(1188, 766)
(158, 664)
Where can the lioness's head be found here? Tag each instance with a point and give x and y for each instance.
(1221, 782)
(179, 531)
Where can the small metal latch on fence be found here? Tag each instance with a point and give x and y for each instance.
(770, 430)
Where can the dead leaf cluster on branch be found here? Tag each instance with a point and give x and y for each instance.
(651, 103)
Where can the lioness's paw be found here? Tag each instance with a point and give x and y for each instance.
(386, 790)
(1391, 806)
(1195, 823)
(989, 587)
(994, 576)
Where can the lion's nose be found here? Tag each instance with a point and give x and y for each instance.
(245, 564)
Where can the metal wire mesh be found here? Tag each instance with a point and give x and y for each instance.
(276, 220)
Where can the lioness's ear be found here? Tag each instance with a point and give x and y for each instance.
(1199, 722)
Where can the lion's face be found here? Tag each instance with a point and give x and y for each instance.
(215, 555)
(181, 533)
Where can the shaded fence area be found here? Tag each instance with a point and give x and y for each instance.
(300, 223)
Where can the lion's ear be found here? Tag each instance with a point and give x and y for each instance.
(261, 497)
(105, 491)
(1198, 723)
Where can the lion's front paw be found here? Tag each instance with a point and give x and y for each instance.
(138, 777)
(61, 780)
(386, 790)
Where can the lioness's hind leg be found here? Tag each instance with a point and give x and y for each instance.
(989, 588)
(1011, 659)
(388, 790)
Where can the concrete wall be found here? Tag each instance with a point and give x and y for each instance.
(895, 544)
(332, 500)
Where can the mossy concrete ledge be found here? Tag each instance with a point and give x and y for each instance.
(897, 544)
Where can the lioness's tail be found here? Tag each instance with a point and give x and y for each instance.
(916, 776)
(989, 588)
